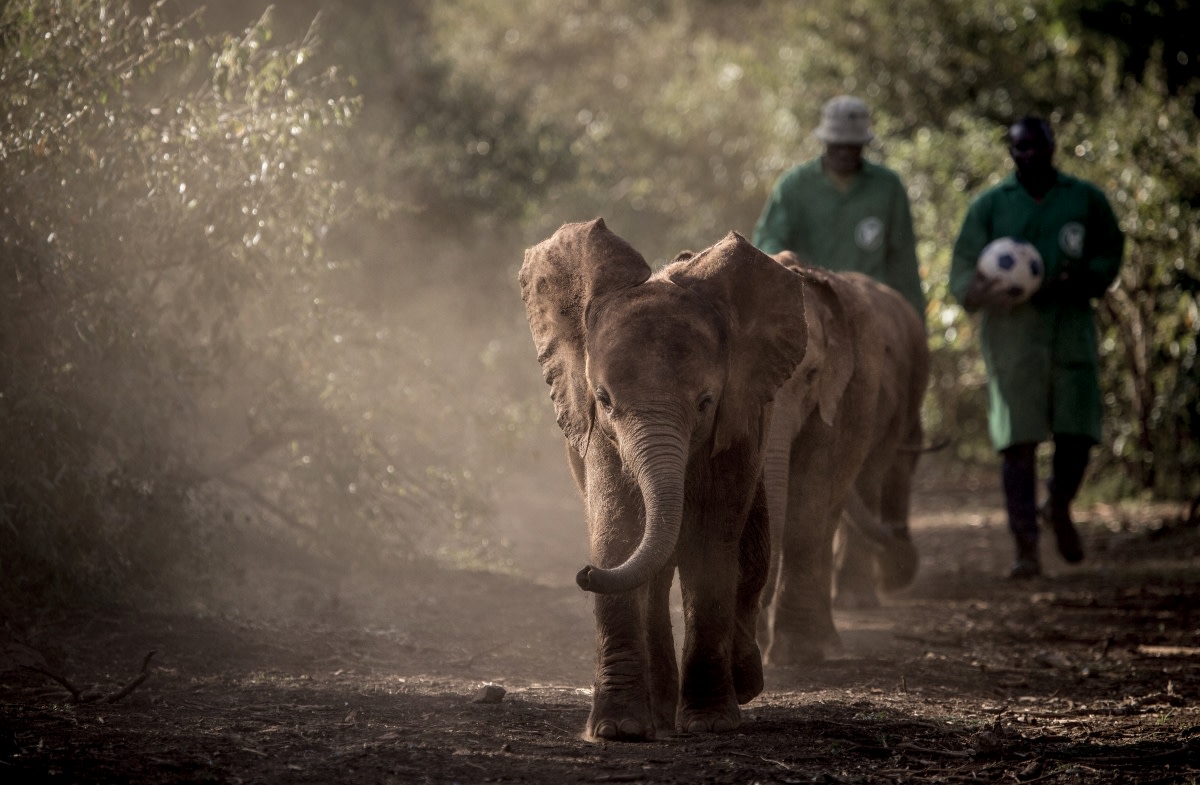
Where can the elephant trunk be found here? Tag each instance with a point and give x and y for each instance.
(659, 472)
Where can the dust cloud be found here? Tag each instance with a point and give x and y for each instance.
(448, 391)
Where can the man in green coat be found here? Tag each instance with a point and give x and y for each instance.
(843, 213)
(1041, 355)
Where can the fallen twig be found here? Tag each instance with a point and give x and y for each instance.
(778, 763)
(137, 680)
(77, 696)
(932, 750)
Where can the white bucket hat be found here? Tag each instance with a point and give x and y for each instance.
(845, 120)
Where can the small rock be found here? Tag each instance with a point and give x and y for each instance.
(490, 693)
(1031, 770)
(987, 743)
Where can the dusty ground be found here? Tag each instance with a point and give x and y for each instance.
(1087, 675)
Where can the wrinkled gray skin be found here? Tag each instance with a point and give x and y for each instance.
(844, 441)
(662, 386)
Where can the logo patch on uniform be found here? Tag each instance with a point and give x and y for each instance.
(869, 233)
(1070, 239)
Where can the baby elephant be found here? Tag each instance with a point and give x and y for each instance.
(662, 386)
(845, 437)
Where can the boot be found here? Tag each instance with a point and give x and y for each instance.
(1027, 564)
(1070, 463)
(1057, 517)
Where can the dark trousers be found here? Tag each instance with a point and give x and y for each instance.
(1019, 474)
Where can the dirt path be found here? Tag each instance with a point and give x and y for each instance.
(1088, 675)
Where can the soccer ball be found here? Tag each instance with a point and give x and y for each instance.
(1015, 262)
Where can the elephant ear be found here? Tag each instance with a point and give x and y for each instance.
(763, 303)
(559, 277)
(832, 312)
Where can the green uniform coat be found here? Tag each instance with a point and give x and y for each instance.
(867, 229)
(1041, 356)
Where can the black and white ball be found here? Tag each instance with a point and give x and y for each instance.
(1016, 263)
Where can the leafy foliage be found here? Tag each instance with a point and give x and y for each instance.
(176, 349)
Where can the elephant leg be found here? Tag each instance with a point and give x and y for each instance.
(709, 584)
(776, 464)
(898, 565)
(802, 616)
(855, 577)
(754, 555)
(664, 670)
(621, 706)
(621, 697)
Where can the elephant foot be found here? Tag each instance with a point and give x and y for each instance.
(898, 567)
(747, 672)
(619, 730)
(720, 720)
(620, 718)
(788, 651)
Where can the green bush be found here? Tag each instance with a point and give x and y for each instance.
(176, 350)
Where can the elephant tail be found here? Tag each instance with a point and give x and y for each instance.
(898, 557)
(862, 520)
(935, 446)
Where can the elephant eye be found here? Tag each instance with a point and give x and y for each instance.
(603, 399)
(706, 402)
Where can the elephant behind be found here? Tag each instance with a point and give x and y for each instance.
(662, 386)
(875, 549)
(844, 438)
